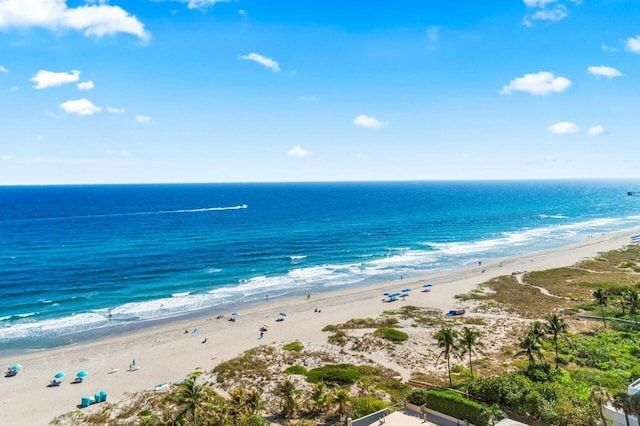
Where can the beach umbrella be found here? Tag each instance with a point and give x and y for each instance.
(428, 285)
(82, 374)
(234, 314)
(266, 325)
(386, 294)
(284, 314)
(406, 290)
(59, 375)
(16, 367)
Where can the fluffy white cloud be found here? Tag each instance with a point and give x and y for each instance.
(433, 37)
(143, 119)
(93, 19)
(199, 4)
(267, 62)
(563, 128)
(298, 151)
(114, 110)
(44, 79)
(538, 3)
(368, 122)
(596, 130)
(541, 83)
(556, 14)
(80, 107)
(3, 69)
(86, 85)
(602, 71)
(633, 44)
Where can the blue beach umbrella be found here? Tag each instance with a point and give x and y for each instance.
(82, 374)
(428, 285)
(284, 314)
(16, 367)
(59, 375)
(406, 290)
(234, 314)
(386, 294)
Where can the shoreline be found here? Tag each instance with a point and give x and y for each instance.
(165, 353)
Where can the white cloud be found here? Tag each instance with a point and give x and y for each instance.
(80, 107)
(596, 130)
(13, 88)
(633, 44)
(368, 122)
(44, 79)
(242, 12)
(541, 83)
(556, 14)
(93, 19)
(602, 71)
(308, 98)
(3, 69)
(606, 48)
(298, 151)
(143, 119)
(563, 128)
(199, 4)
(433, 37)
(538, 3)
(86, 85)
(267, 62)
(114, 110)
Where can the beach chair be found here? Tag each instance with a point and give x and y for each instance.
(97, 397)
(85, 401)
(103, 396)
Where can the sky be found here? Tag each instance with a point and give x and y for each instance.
(146, 91)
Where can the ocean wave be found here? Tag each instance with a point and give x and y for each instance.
(552, 216)
(144, 213)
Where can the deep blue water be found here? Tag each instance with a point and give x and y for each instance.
(78, 258)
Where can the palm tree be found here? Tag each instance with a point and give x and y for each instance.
(530, 346)
(446, 338)
(622, 401)
(342, 398)
(468, 341)
(319, 396)
(286, 390)
(632, 301)
(192, 396)
(599, 396)
(538, 329)
(556, 327)
(602, 298)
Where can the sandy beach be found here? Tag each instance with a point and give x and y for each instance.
(167, 352)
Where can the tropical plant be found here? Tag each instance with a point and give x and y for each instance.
(191, 396)
(287, 392)
(319, 397)
(599, 397)
(556, 327)
(341, 398)
(622, 401)
(538, 329)
(468, 341)
(631, 299)
(447, 341)
(531, 347)
(602, 298)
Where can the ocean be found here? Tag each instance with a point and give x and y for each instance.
(83, 261)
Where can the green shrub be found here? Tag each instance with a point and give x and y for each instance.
(418, 396)
(391, 334)
(296, 369)
(339, 374)
(293, 346)
(331, 328)
(363, 405)
(456, 405)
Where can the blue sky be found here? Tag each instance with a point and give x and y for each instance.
(268, 90)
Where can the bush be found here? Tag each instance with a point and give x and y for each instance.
(363, 405)
(296, 369)
(339, 374)
(293, 346)
(456, 405)
(391, 334)
(418, 396)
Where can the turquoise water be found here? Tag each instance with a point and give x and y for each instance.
(99, 258)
